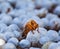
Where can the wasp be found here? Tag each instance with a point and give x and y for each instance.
(30, 26)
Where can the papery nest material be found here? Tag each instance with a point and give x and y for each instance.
(30, 26)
